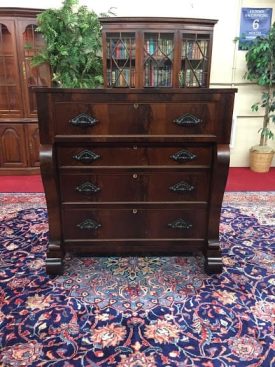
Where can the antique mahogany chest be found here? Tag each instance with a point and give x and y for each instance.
(134, 171)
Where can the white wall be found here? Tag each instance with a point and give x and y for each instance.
(178, 8)
(228, 64)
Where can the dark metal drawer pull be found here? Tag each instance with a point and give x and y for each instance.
(187, 120)
(182, 187)
(87, 188)
(83, 120)
(86, 156)
(183, 155)
(89, 224)
(180, 224)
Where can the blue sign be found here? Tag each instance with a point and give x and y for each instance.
(255, 22)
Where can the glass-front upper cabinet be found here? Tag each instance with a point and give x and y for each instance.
(156, 52)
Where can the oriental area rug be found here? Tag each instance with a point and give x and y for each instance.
(138, 311)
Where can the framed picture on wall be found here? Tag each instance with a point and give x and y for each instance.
(255, 22)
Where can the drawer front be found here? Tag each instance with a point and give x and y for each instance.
(134, 155)
(135, 118)
(84, 223)
(135, 186)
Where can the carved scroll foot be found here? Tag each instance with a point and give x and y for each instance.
(213, 258)
(54, 261)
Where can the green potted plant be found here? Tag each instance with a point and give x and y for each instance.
(72, 36)
(260, 59)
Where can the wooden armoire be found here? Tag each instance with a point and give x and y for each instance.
(19, 136)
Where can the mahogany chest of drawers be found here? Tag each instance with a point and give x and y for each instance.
(134, 172)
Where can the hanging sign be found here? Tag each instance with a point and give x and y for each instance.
(255, 22)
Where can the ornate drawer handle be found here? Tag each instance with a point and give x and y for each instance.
(87, 188)
(187, 120)
(89, 224)
(182, 187)
(183, 155)
(180, 224)
(86, 156)
(83, 120)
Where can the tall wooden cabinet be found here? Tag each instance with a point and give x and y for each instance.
(19, 136)
(156, 52)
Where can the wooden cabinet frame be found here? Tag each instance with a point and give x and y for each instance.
(18, 115)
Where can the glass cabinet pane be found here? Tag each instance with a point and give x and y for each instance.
(34, 76)
(158, 59)
(7, 69)
(10, 99)
(6, 44)
(194, 60)
(121, 49)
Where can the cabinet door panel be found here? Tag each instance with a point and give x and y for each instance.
(158, 59)
(195, 54)
(33, 144)
(30, 43)
(120, 59)
(10, 95)
(10, 104)
(12, 147)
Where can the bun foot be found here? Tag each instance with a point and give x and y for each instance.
(54, 266)
(213, 258)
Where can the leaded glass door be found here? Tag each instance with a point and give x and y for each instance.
(121, 59)
(194, 60)
(158, 59)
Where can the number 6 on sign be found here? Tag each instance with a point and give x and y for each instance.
(255, 24)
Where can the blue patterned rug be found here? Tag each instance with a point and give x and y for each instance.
(138, 312)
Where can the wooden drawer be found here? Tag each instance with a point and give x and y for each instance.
(135, 222)
(178, 118)
(134, 155)
(135, 185)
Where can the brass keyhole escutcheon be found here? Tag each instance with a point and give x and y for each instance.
(135, 175)
(135, 147)
(135, 211)
(136, 106)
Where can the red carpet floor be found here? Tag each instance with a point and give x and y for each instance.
(239, 179)
(243, 179)
(31, 183)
